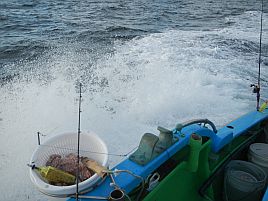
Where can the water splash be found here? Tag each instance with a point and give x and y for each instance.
(158, 79)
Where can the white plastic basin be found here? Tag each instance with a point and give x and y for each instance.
(91, 146)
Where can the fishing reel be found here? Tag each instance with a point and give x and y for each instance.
(256, 88)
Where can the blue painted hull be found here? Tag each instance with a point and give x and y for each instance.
(223, 137)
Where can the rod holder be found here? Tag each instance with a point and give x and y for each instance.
(195, 144)
(38, 138)
(117, 195)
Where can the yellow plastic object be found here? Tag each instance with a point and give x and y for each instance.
(54, 175)
(263, 106)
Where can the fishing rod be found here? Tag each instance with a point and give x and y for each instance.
(78, 140)
(257, 87)
(259, 73)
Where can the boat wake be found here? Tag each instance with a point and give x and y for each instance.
(157, 79)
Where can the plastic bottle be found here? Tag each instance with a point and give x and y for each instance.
(54, 175)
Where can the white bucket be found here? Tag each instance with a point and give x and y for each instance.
(243, 181)
(258, 154)
(91, 146)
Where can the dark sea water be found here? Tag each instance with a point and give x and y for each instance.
(142, 64)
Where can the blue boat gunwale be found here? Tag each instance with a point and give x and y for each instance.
(224, 136)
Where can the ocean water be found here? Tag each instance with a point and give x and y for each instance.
(141, 63)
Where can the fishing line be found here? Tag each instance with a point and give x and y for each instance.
(88, 151)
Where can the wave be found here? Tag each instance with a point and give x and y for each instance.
(129, 87)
